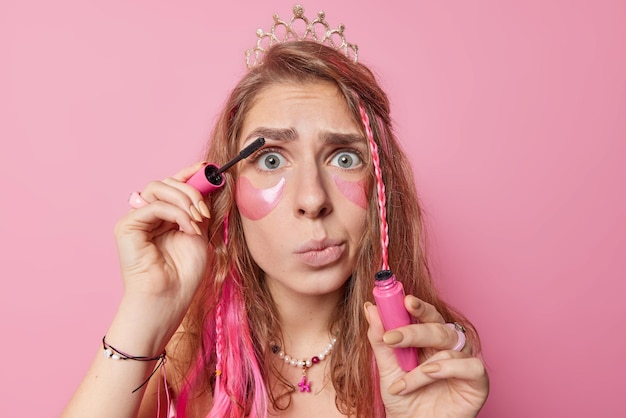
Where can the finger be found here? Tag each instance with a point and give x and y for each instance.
(385, 358)
(175, 193)
(464, 368)
(423, 311)
(196, 198)
(468, 369)
(150, 218)
(418, 377)
(423, 335)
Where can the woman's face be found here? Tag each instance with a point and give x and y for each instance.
(301, 197)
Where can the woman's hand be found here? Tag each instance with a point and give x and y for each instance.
(162, 246)
(163, 250)
(445, 384)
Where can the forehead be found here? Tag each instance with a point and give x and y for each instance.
(301, 89)
(284, 104)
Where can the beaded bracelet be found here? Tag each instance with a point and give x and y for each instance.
(115, 354)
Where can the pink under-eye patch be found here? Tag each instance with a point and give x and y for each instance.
(254, 203)
(354, 191)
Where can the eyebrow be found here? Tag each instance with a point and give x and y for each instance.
(284, 135)
(335, 138)
(290, 134)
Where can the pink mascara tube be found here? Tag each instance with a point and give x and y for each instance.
(209, 178)
(389, 296)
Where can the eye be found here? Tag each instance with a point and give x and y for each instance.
(347, 159)
(270, 161)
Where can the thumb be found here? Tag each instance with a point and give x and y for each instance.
(385, 358)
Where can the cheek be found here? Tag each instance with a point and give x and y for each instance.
(354, 191)
(256, 203)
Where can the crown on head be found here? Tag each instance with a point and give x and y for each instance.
(317, 30)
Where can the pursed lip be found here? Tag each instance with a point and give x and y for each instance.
(319, 253)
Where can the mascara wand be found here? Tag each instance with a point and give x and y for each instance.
(244, 153)
(209, 178)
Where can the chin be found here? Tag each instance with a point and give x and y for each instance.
(312, 283)
(324, 283)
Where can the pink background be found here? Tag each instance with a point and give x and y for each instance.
(513, 113)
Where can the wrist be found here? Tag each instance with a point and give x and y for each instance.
(143, 327)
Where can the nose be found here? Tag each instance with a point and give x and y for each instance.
(311, 194)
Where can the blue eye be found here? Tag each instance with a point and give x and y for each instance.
(347, 159)
(270, 161)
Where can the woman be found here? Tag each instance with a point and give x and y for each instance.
(262, 292)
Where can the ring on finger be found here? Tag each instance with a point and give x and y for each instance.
(460, 332)
(136, 201)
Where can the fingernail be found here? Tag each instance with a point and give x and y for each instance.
(393, 337)
(415, 303)
(197, 228)
(397, 387)
(195, 214)
(430, 368)
(204, 209)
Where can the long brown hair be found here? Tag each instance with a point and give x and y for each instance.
(351, 368)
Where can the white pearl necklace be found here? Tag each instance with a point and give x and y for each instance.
(303, 363)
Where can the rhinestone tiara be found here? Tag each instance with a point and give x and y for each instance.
(317, 30)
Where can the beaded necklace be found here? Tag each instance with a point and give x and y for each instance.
(305, 364)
